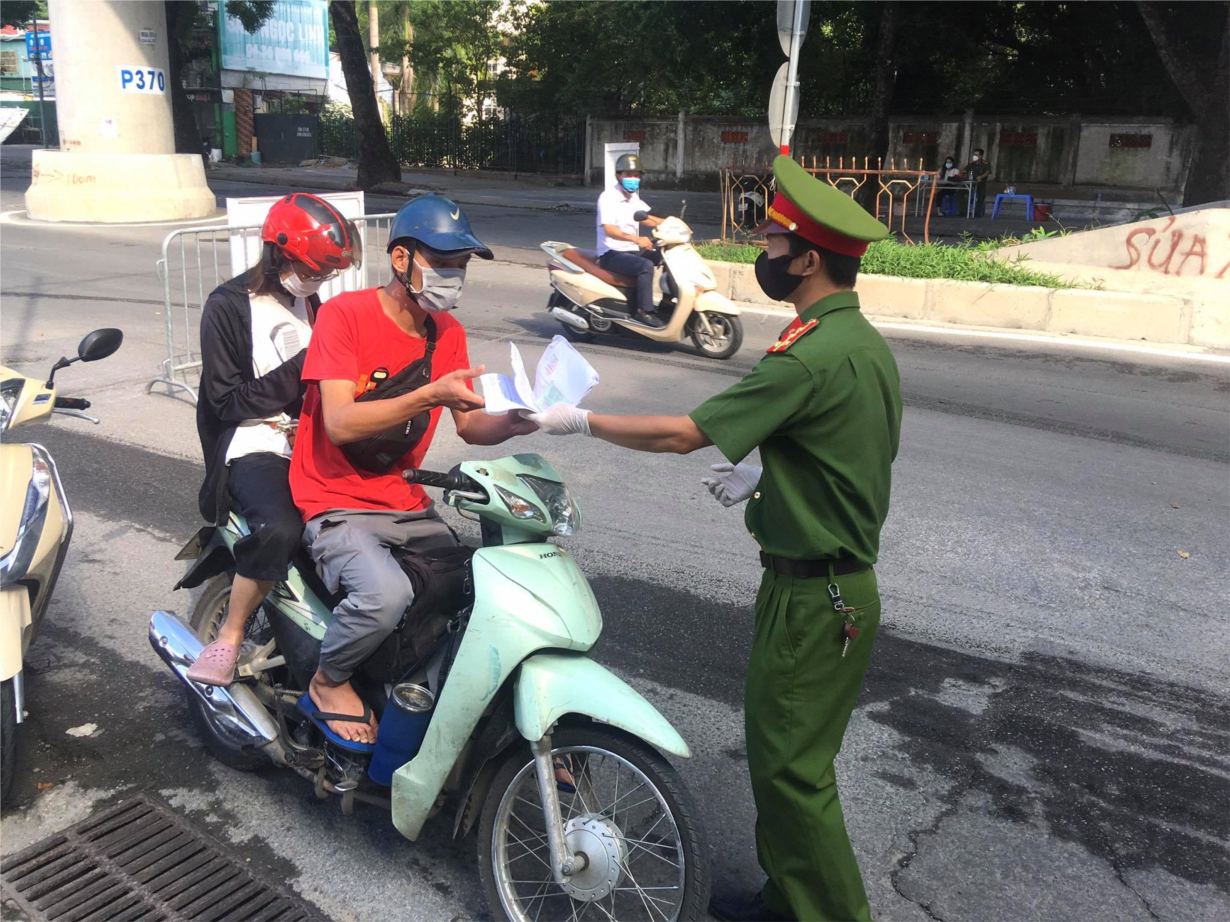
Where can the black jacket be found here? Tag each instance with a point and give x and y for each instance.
(230, 392)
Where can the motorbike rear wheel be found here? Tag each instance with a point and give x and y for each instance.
(8, 738)
(631, 813)
(207, 617)
(724, 341)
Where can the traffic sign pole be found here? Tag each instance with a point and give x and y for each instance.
(42, 106)
(792, 75)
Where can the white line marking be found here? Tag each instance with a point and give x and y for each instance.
(1177, 352)
(10, 217)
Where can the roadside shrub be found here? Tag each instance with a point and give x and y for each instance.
(966, 262)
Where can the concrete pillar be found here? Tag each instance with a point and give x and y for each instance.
(589, 148)
(680, 141)
(245, 124)
(117, 160)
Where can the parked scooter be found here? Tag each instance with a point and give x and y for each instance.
(497, 712)
(586, 299)
(36, 524)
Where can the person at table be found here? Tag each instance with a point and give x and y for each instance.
(949, 172)
(979, 171)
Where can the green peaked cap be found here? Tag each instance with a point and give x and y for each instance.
(818, 212)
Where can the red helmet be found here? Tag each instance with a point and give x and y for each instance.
(311, 231)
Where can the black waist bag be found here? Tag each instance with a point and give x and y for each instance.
(378, 453)
(443, 586)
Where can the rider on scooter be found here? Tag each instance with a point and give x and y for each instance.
(254, 335)
(621, 248)
(357, 507)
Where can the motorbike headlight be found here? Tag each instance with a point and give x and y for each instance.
(10, 391)
(565, 516)
(520, 508)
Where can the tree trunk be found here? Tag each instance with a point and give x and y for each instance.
(886, 80)
(1208, 178)
(1205, 88)
(180, 17)
(376, 161)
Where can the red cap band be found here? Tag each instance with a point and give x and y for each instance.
(788, 215)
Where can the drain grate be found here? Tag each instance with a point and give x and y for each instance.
(140, 862)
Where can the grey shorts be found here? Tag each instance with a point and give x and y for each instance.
(353, 552)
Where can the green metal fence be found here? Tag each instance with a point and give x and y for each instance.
(515, 144)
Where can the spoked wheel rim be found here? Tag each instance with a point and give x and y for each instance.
(256, 633)
(618, 817)
(719, 339)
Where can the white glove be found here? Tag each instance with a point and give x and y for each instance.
(731, 484)
(561, 419)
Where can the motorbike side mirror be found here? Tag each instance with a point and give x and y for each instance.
(640, 216)
(95, 346)
(100, 344)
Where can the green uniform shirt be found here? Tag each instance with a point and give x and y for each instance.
(826, 413)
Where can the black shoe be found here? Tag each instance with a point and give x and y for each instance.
(734, 907)
(649, 320)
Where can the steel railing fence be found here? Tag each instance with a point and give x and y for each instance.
(196, 260)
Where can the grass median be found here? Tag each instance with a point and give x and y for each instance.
(963, 262)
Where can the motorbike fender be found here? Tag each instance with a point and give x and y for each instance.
(212, 554)
(15, 622)
(551, 685)
(717, 303)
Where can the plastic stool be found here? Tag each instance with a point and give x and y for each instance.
(1003, 197)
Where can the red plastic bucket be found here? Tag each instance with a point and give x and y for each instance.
(1042, 211)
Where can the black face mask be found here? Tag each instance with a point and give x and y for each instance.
(774, 277)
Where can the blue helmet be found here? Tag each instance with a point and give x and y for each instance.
(438, 224)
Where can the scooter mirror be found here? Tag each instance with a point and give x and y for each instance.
(640, 216)
(100, 344)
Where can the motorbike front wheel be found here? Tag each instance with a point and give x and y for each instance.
(8, 737)
(724, 337)
(628, 812)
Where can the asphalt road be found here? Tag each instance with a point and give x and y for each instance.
(1044, 729)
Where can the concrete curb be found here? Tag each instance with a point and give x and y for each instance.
(1121, 315)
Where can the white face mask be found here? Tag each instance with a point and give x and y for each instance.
(297, 287)
(948, 164)
(441, 288)
(975, 158)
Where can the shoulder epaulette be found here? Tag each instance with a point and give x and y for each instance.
(792, 336)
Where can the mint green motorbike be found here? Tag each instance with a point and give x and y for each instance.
(495, 712)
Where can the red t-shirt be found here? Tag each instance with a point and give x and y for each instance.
(353, 337)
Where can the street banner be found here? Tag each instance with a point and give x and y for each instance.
(294, 41)
(10, 118)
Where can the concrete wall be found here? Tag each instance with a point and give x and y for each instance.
(1191, 318)
(1064, 152)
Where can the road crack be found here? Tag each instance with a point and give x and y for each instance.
(1136, 893)
(903, 863)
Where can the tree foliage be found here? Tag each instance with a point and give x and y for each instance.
(1046, 58)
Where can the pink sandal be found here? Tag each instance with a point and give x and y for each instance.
(215, 665)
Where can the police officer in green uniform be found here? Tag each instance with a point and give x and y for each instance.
(824, 408)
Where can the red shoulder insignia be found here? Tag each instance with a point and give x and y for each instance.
(792, 335)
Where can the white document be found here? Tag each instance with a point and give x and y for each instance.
(562, 376)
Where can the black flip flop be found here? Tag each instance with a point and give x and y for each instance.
(310, 710)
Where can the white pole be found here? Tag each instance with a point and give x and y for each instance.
(792, 76)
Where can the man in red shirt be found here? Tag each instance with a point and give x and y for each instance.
(354, 514)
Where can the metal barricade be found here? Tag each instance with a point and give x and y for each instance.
(196, 260)
(748, 190)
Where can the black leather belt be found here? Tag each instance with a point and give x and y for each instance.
(811, 569)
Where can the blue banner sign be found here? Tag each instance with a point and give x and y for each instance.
(294, 41)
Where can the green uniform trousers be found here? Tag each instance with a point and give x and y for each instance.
(800, 694)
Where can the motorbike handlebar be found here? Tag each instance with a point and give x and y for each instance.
(454, 480)
(72, 403)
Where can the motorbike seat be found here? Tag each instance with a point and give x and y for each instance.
(588, 260)
(311, 579)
